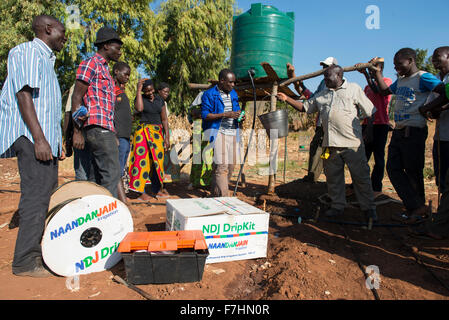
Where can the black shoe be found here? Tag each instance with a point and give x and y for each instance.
(308, 178)
(332, 212)
(37, 272)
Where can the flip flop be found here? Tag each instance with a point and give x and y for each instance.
(161, 195)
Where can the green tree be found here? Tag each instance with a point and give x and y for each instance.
(133, 20)
(186, 41)
(423, 62)
(15, 24)
(196, 45)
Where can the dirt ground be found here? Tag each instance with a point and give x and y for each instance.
(311, 260)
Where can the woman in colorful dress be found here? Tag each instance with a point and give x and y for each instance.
(150, 141)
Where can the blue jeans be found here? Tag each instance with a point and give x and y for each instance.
(123, 152)
(103, 146)
(82, 162)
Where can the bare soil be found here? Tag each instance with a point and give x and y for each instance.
(311, 260)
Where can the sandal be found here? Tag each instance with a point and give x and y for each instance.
(161, 195)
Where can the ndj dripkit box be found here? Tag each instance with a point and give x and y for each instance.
(233, 229)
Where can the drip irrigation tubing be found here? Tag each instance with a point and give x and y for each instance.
(359, 263)
(419, 261)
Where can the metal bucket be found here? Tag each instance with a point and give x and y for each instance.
(275, 120)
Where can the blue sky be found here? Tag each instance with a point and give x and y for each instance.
(337, 28)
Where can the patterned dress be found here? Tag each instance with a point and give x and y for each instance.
(147, 149)
(201, 173)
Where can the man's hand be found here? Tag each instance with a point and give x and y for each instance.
(290, 71)
(363, 71)
(282, 96)
(374, 66)
(427, 113)
(83, 118)
(231, 114)
(62, 156)
(78, 139)
(42, 150)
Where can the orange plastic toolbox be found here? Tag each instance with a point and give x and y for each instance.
(164, 256)
(163, 241)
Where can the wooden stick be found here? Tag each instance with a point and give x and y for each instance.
(199, 86)
(320, 72)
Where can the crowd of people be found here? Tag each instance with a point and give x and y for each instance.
(351, 125)
(354, 125)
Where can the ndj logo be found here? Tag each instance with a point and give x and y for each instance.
(236, 228)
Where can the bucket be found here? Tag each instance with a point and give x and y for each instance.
(275, 120)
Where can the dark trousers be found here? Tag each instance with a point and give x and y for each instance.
(37, 181)
(155, 182)
(334, 169)
(103, 145)
(439, 224)
(376, 147)
(315, 167)
(405, 165)
(441, 160)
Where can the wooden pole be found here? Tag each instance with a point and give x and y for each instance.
(273, 144)
(199, 86)
(320, 72)
(205, 86)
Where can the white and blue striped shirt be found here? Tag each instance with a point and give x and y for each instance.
(31, 64)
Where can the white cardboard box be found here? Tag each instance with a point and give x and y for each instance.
(234, 230)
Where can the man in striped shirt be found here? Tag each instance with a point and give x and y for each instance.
(94, 88)
(30, 127)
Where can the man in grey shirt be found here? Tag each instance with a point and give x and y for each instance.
(339, 106)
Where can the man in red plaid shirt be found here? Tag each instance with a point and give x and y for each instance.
(94, 89)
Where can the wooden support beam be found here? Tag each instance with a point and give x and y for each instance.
(320, 72)
(273, 144)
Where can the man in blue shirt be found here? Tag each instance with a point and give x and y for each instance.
(30, 127)
(219, 111)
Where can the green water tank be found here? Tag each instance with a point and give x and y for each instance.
(262, 34)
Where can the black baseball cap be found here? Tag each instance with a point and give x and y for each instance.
(107, 34)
